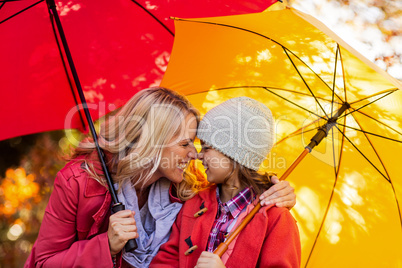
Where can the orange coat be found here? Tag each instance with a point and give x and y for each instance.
(271, 239)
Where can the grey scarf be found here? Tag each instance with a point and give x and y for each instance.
(154, 221)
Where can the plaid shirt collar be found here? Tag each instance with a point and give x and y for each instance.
(235, 205)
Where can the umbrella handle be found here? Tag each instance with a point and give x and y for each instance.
(222, 247)
(131, 244)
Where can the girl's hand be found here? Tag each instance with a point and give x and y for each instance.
(209, 260)
(281, 194)
(122, 228)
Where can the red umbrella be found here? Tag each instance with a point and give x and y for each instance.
(119, 47)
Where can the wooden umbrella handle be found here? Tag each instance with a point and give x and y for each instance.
(221, 249)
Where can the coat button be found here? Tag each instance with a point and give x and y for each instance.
(200, 212)
(190, 250)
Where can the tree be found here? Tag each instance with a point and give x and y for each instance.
(373, 27)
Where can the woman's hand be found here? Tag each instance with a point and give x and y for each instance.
(122, 228)
(281, 194)
(209, 260)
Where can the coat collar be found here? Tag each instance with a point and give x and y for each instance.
(92, 186)
(77, 169)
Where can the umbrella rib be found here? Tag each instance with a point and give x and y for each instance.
(267, 88)
(355, 110)
(343, 74)
(310, 69)
(334, 81)
(154, 17)
(386, 171)
(298, 132)
(66, 71)
(278, 88)
(5, 1)
(385, 177)
(374, 134)
(378, 121)
(266, 37)
(295, 92)
(336, 170)
(2, 5)
(342, 143)
(376, 94)
(19, 12)
(291, 102)
(304, 81)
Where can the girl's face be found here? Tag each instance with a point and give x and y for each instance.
(217, 165)
(179, 151)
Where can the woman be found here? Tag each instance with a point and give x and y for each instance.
(148, 144)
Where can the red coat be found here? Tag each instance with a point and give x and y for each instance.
(74, 228)
(271, 239)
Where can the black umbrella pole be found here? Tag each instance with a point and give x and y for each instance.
(117, 206)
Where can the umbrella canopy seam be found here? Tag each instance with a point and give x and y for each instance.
(299, 131)
(154, 17)
(361, 153)
(305, 83)
(360, 112)
(355, 110)
(276, 42)
(19, 12)
(334, 80)
(336, 169)
(374, 134)
(70, 83)
(385, 169)
(376, 94)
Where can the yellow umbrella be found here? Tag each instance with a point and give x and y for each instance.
(349, 188)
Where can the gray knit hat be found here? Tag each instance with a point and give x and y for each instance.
(240, 128)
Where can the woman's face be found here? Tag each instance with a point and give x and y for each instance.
(217, 165)
(179, 151)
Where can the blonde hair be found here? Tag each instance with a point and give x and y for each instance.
(137, 134)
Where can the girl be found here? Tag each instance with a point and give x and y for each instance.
(148, 144)
(235, 136)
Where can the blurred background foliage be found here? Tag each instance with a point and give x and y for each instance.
(27, 170)
(28, 164)
(372, 27)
